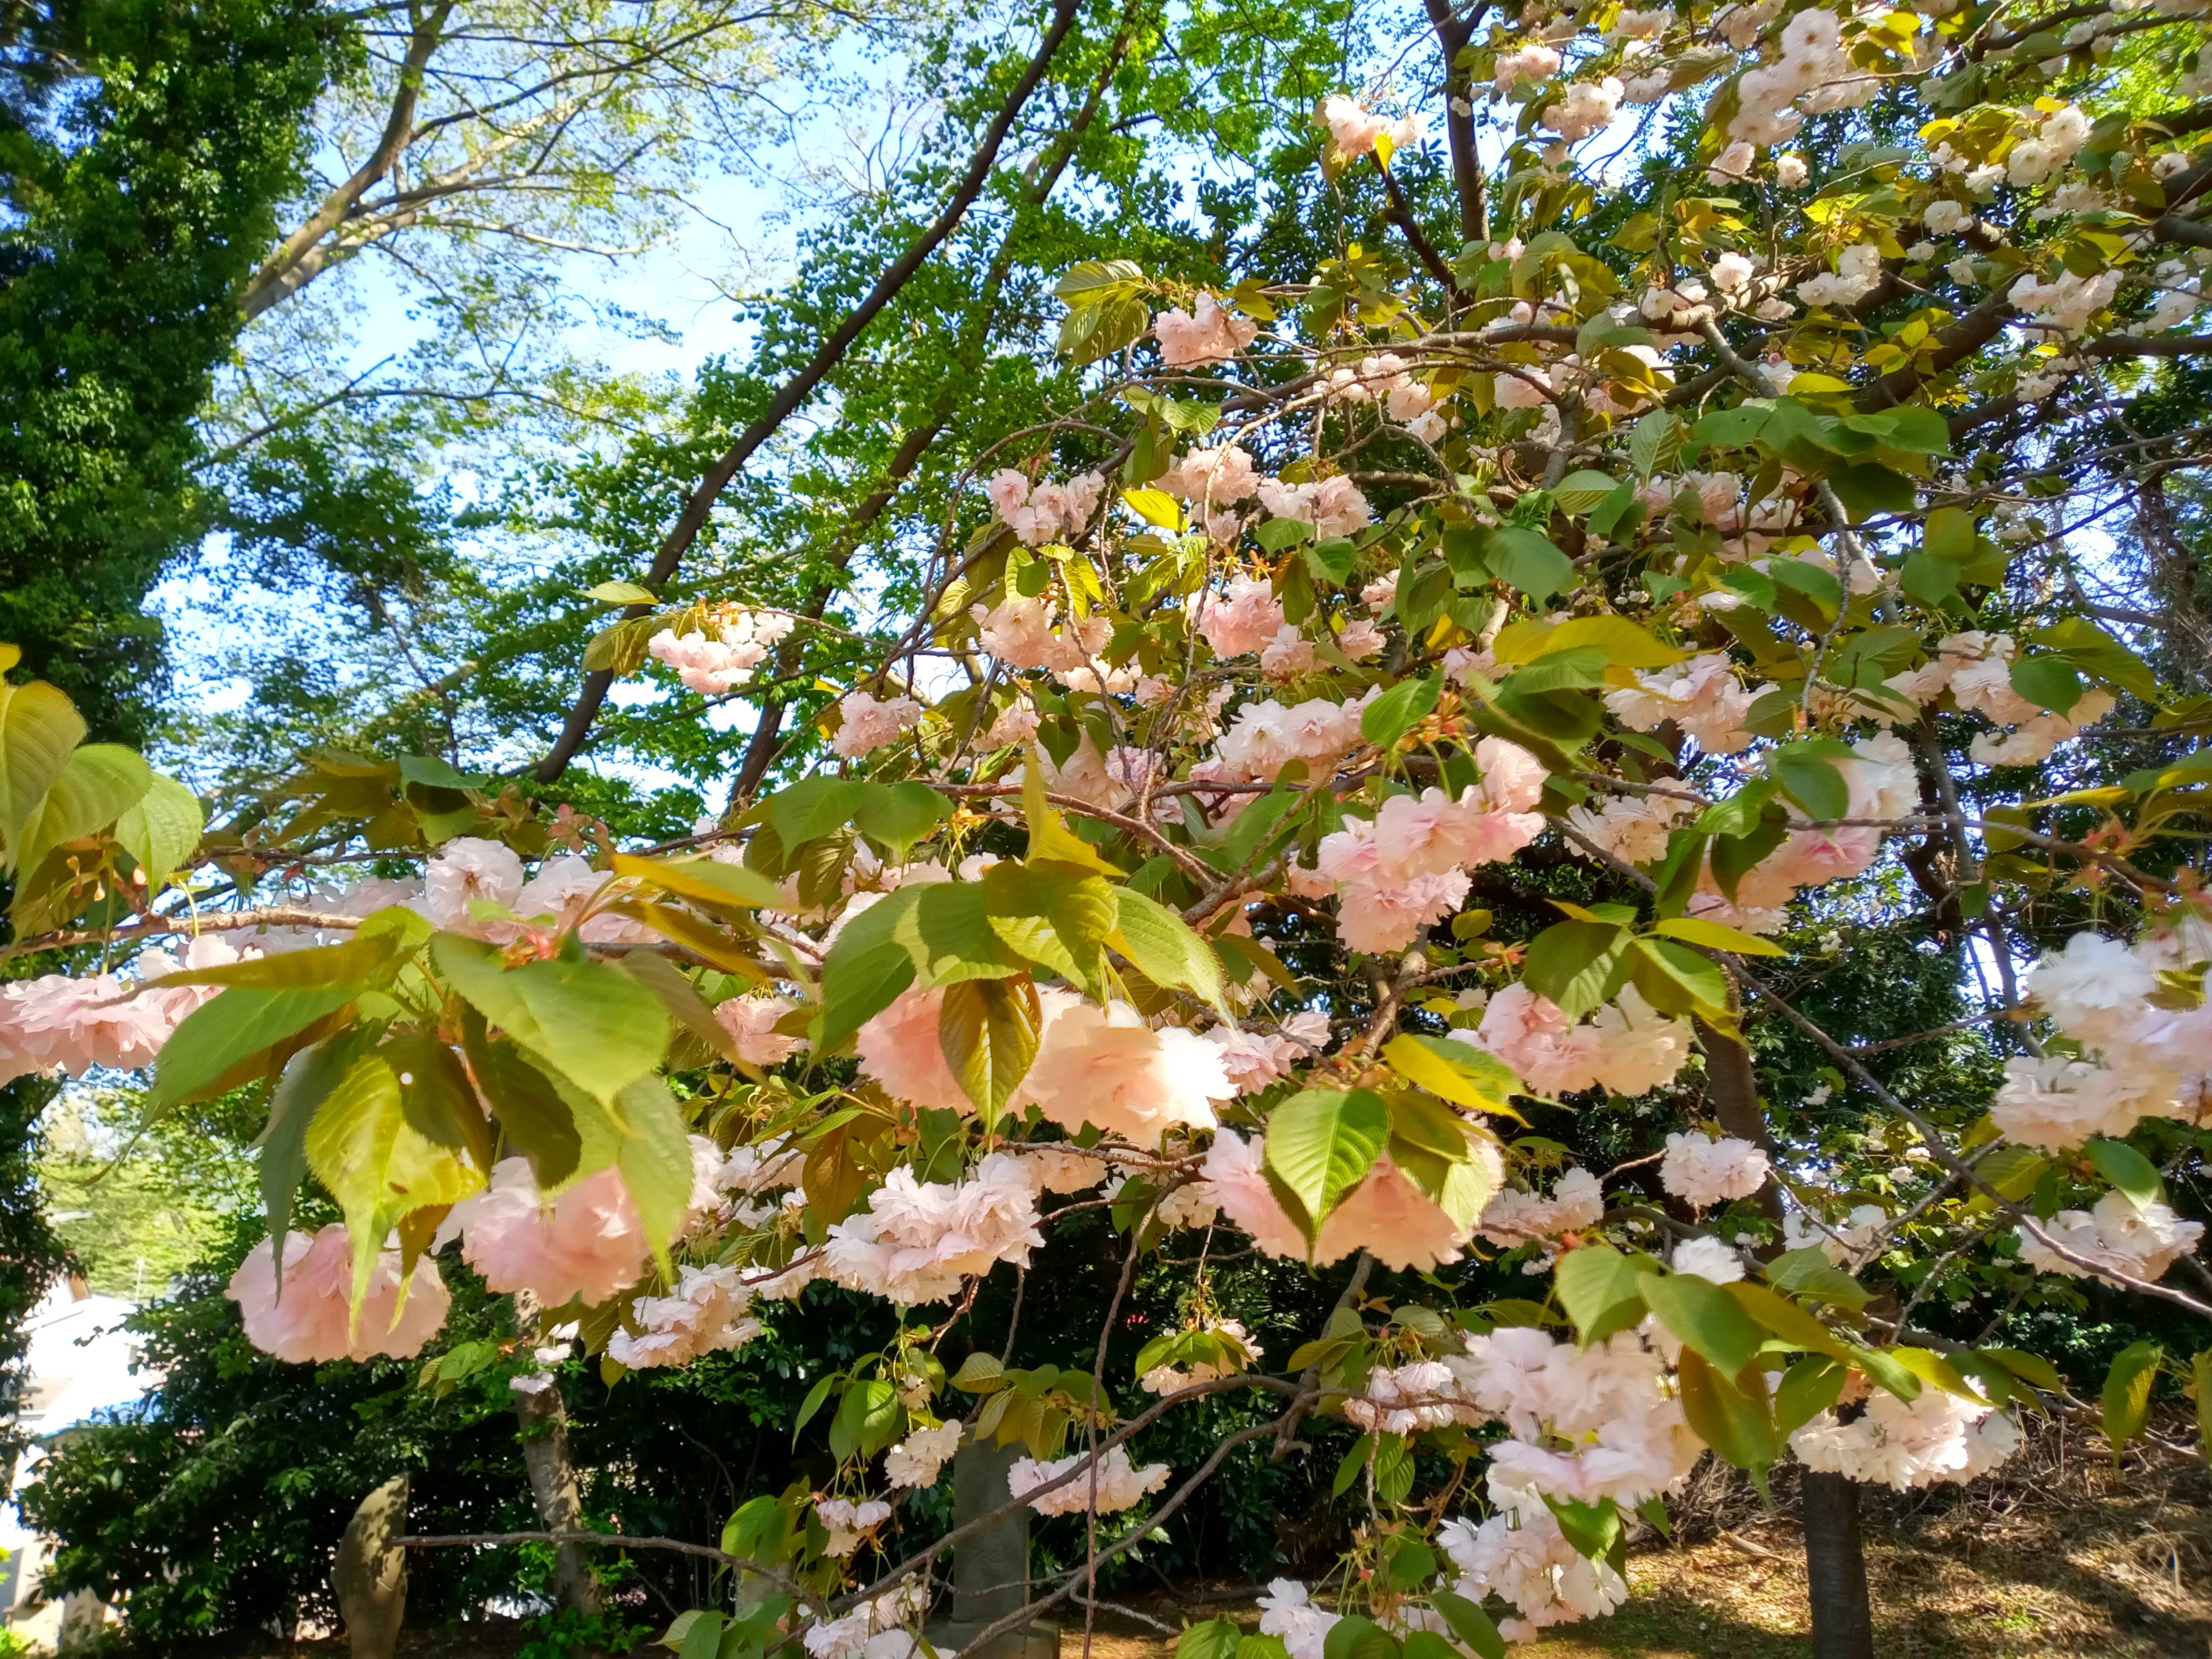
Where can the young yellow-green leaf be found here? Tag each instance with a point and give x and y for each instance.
(897, 815)
(1786, 1319)
(39, 729)
(988, 1029)
(866, 968)
(1051, 841)
(622, 593)
(1459, 1072)
(1322, 1142)
(1155, 506)
(350, 967)
(2200, 1382)
(100, 783)
(1398, 710)
(1624, 643)
(1164, 948)
(1717, 936)
(1676, 980)
(592, 1025)
(706, 881)
(2127, 1394)
(375, 1165)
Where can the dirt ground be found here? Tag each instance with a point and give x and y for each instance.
(2060, 1558)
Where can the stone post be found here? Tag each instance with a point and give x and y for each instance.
(990, 1570)
(371, 1578)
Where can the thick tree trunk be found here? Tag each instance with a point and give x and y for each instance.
(553, 1483)
(1835, 1564)
(1835, 1569)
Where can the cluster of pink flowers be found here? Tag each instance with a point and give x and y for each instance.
(1106, 1067)
(703, 1314)
(917, 1460)
(586, 1240)
(1811, 76)
(1353, 129)
(1513, 1218)
(1584, 1423)
(2143, 1061)
(479, 888)
(712, 663)
(1046, 512)
(1520, 1555)
(1405, 868)
(1407, 1398)
(55, 1023)
(1975, 668)
(2138, 1242)
(1702, 1171)
(1904, 1443)
(1251, 1059)
(1247, 617)
(1701, 696)
(1121, 1484)
(877, 1627)
(865, 723)
(1625, 1047)
(1026, 633)
(849, 1522)
(1632, 828)
(1265, 736)
(307, 1317)
(916, 1241)
(1333, 507)
(1211, 334)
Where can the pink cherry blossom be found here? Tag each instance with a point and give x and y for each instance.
(306, 1318)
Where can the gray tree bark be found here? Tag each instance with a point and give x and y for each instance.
(553, 1484)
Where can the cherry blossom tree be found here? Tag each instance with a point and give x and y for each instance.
(1735, 562)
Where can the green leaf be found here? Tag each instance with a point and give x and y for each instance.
(978, 1373)
(1155, 506)
(1215, 1638)
(1624, 644)
(2029, 1368)
(1704, 1315)
(1578, 492)
(1354, 1637)
(812, 807)
(1276, 534)
(99, 784)
(2127, 1169)
(1526, 559)
(654, 1157)
(1590, 1529)
(434, 1094)
(1332, 561)
(897, 815)
(866, 968)
(622, 593)
(1348, 1472)
(1412, 1563)
(815, 1398)
(1808, 1388)
(38, 728)
(161, 830)
(1578, 964)
(1809, 777)
(536, 1121)
(1740, 1426)
(309, 1080)
(1322, 1142)
(1676, 980)
(948, 933)
(592, 1024)
(218, 1037)
(2200, 1382)
(349, 967)
(1470, 1624)
(2050, 682)
(1401, 709)
(867, 1419)
(1163, 947)
(1597, 1286)
(2127, 1394)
